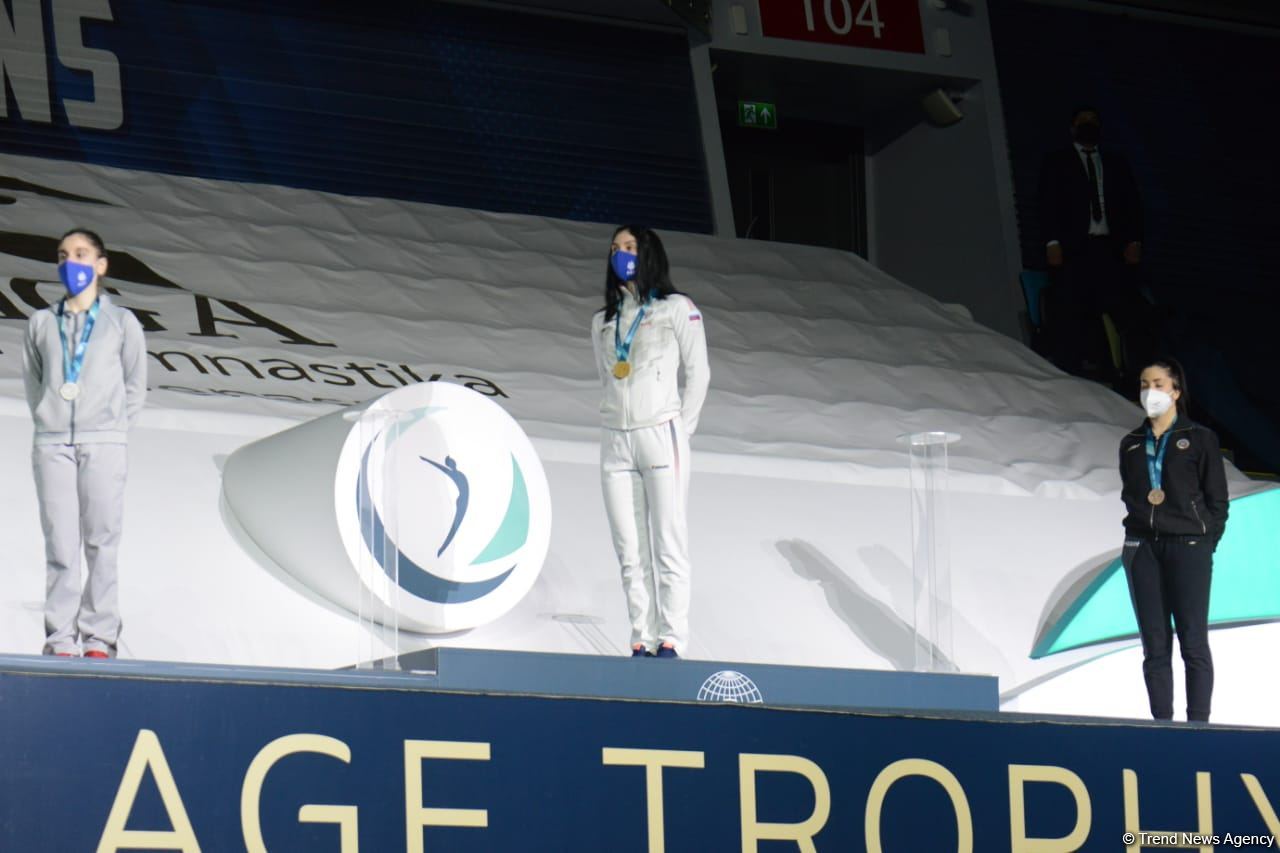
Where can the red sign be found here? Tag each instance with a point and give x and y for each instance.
(879, 24)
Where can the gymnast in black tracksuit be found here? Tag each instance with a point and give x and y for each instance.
(1174, 486)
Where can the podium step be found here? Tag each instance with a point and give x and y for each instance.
(541, 673)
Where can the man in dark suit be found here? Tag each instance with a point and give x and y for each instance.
(1091, 214)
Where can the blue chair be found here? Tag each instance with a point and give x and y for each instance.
(1033, 283)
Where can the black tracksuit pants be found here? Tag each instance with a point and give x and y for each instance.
(1169, 580)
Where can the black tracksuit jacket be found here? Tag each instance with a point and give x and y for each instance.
(1194, 480)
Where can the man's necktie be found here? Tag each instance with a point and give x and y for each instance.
(1095, 201)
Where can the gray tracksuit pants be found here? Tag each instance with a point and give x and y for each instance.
(81, 492)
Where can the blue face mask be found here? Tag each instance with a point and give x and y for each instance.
(75, 277)
(624, 265)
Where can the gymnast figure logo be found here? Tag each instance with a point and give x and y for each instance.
(450, 470)
(468, 504)
(439, 505)
(421, 578)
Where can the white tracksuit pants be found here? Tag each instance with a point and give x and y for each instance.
(645, 475)
(81, 492)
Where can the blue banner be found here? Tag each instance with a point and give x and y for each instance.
(110, 762)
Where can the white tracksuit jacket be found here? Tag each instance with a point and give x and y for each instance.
(644, 458)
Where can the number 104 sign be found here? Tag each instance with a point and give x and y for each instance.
(878, 24)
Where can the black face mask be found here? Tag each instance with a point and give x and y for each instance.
(1087, 134)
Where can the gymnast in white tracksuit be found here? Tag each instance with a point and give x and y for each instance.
(645, 338)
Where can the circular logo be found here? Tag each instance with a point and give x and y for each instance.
(442, 506)
(1183, 444)
(730, 686)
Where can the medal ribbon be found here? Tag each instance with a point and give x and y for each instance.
(1155, 455)
(72, 366)
(621, 348)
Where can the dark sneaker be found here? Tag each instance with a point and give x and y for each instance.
(666, 652)
(641, 653)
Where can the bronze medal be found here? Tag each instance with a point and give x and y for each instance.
(622, 370)
(1155, 497)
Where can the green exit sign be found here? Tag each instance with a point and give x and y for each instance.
(757, 114)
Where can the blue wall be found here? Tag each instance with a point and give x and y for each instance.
(1189, 106)
(455, 105)
(1183, 102)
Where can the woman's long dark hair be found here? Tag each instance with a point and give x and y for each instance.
(1178, 377)
(653, 271)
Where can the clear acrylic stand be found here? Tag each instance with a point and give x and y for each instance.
(377, 574)
(931, 550)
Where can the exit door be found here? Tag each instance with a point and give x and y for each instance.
(801, 183)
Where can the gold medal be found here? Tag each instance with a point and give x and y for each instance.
(1155, 497)
(622, 370)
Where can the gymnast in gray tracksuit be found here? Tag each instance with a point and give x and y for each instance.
(85, 369)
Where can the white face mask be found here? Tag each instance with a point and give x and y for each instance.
(1155, 402)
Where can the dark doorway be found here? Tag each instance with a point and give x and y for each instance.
(802, 183)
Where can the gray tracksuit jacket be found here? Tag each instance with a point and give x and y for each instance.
(113, 380)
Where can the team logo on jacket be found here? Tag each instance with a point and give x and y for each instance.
(447, 513)
(1183, 444)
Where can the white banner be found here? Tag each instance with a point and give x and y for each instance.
(266, 307)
